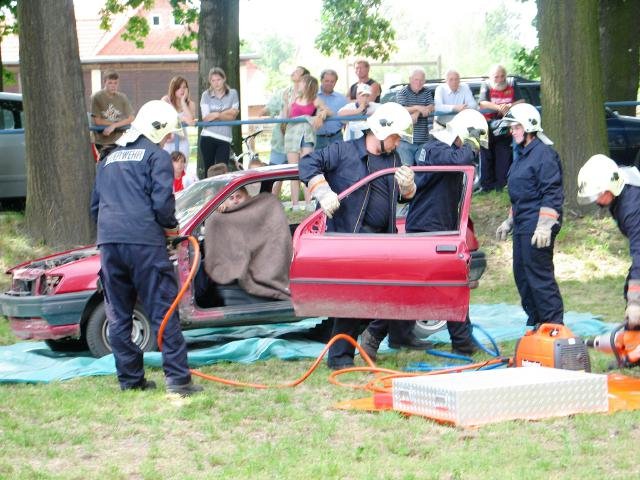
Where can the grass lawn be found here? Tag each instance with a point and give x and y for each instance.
(86, 428)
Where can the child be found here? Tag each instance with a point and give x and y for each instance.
(180, 178)
(217, 169)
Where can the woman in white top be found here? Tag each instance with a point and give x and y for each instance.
(178, 97)
(218, 103)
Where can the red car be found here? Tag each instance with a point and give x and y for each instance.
(417, 276)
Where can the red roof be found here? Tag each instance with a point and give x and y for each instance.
(162, 32)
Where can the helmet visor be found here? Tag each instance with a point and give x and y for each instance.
(588, 199)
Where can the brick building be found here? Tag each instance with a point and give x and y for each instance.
(144, 73)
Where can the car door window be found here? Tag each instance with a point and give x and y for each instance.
(10, 115)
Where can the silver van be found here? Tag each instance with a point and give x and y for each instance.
(13, 172)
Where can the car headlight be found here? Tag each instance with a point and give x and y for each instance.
(49, 283)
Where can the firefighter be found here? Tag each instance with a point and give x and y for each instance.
(602, 181)
(133, 205)
(339, 166)
(435, 206)
(535, 217)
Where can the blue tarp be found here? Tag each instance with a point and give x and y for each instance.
(35, 362)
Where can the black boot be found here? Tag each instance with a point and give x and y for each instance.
(412, 344)
(185, 390)
(369, 344)
(143, 385)
(464, 349)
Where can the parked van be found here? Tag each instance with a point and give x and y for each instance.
(13, 171)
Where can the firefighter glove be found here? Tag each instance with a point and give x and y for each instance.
(632, 316)
(327, 198)
(632, 313)
(505, 228)
(405, 178)
(547, 218)
(171, 233)
(473, 143)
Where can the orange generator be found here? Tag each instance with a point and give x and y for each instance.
(552, 345)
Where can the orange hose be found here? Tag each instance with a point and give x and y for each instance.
(371, 367)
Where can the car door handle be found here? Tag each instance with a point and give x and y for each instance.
(446, 248)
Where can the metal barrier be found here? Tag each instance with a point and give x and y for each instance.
(260, 121)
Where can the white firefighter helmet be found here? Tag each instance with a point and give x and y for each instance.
(528, 116)
(389, 119)
(154, 120)
(600, 174)
(462, 125)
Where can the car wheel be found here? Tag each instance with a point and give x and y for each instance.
(426, 328)
(97, 332)
(67, 344)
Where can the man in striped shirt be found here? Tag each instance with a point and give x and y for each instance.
(418, 101)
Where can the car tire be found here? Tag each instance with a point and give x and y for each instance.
(67, 344)
(426, 328)
(97, 331)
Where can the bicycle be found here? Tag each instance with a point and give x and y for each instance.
(248, 155)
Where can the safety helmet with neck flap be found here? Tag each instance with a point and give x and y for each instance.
(155, 120)
(598, 175)
(389, 119)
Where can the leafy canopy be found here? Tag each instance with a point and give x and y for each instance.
(8, 26)
(355, 28)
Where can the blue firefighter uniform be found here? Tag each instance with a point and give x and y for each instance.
(370, 209)
(435, 208)
(535, 181)
(625, 210)
(133, 202)
(343, 164)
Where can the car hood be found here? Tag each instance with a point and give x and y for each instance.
(53, 263)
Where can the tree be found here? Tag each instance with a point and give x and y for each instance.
(526, 63)
(217, 35)
(60, 168)
(8, 26)
(219, 46)
(273, 51)
(500, 40)
(619, 42)
(572, 84)
(355, 28)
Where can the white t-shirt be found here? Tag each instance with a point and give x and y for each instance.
(354, 129)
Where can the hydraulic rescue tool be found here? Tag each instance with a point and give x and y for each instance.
(623, 343)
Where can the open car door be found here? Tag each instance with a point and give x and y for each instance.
(403, 276)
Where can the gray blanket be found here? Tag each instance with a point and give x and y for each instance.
(251, 244)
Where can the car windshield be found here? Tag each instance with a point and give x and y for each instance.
(191, 200)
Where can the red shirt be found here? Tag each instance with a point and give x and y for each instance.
(177, 183)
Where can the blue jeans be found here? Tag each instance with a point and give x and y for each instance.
(325, 140)
(277, 158)
(407, 152)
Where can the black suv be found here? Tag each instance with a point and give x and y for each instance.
(623, 131)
